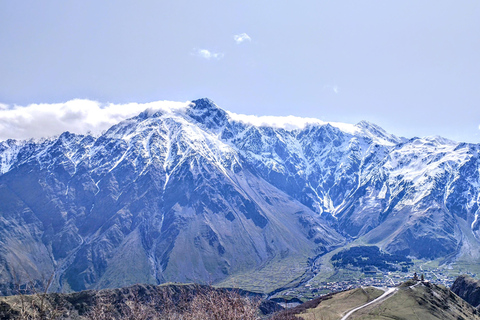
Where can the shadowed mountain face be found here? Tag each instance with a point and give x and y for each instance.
(197, 195)
(468, 289)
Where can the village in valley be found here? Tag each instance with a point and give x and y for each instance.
(355, 277)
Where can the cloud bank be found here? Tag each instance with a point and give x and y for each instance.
(77, 116)
(84, 116)
(239, 38)
(206, 54)
(288, 122)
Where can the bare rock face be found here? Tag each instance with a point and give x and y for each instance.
(468, 289)
(197, 195)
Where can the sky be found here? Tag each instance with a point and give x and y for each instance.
(412, 67)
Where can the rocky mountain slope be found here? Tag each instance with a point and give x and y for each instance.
(468, 289)
(200, 194)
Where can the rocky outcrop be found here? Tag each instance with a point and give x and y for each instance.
(468, 289)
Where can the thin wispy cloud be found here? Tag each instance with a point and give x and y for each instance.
(335, 89)
(239, 38)
(77, 116)
(207, 54)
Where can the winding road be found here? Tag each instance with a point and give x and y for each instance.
(384, 296)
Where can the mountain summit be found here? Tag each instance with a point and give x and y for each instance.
(198, 194)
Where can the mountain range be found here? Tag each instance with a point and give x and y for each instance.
(200, 194)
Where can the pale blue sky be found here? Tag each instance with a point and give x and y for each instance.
(412, 67)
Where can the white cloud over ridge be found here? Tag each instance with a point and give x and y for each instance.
(207, 54)
(77, 116)
(83, 116)
(239, 38)
(288, 122)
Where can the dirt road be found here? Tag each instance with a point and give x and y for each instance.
(384, 296)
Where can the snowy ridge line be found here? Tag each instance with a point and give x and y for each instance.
(92, 118)
(417, 161)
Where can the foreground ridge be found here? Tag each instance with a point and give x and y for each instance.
(410, 300)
